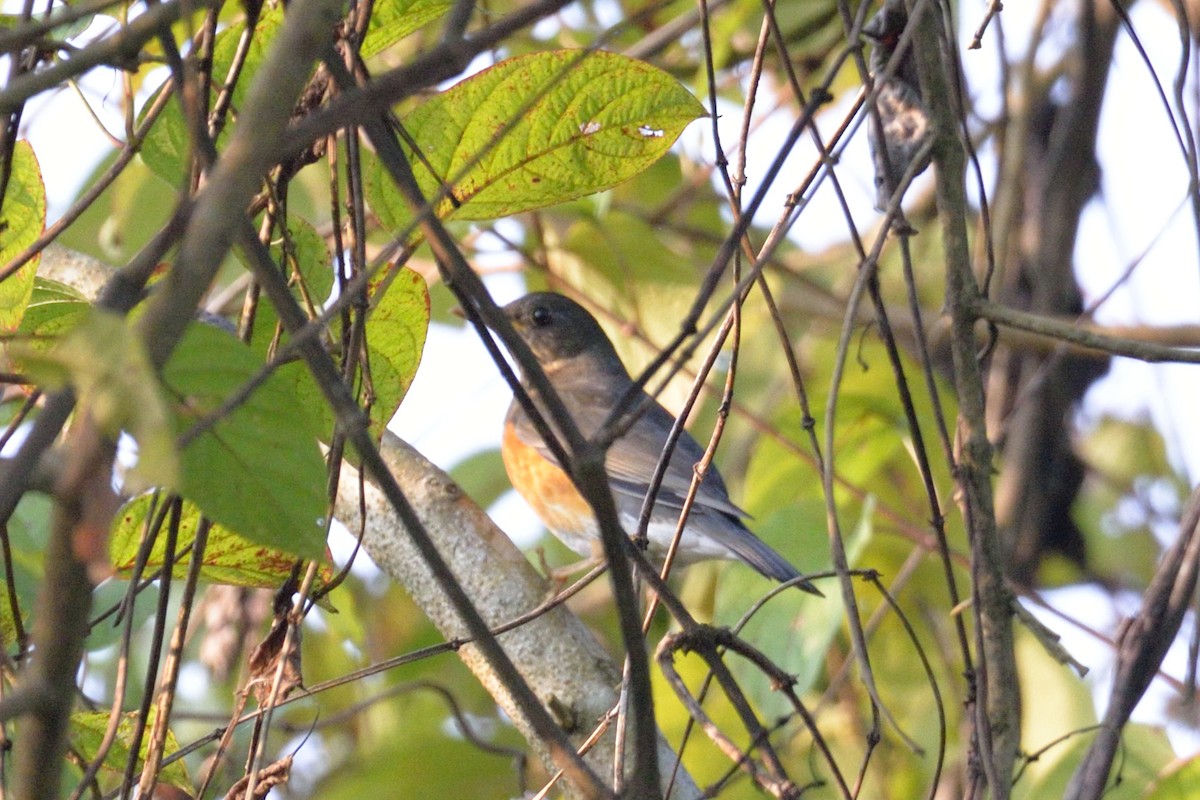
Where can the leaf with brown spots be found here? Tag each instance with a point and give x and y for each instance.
(228, 558)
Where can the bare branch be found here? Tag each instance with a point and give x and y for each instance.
(1142, 643)
(120, 48)
(1089, 337)
(220, 206)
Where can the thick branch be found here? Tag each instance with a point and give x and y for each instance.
(352, 421)
(1048, 173)
(64, 599)
(555, 653)
(586, 462)
(81, 514)
(584, 459)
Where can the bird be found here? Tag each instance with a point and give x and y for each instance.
(902, 127)
(585, 371)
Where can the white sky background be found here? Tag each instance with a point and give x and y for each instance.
(1142, 213)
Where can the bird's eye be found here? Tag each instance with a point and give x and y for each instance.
(540, 316)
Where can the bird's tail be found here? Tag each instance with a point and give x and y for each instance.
(758, 554)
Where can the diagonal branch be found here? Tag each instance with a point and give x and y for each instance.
(1090, 337)
(1141, 646)
(120, 48)
(353, 423)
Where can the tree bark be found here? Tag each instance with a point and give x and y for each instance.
(557, 655)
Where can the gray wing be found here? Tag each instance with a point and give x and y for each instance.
(632, 459)
(631, 462)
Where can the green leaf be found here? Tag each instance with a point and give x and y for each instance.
(537, 130)
(795, 629)
(167, 148)
(396, 330)
(306, 258)
(50, 314)
(22, 220)
(258, 469)
(131, 212)
(628, 253)
(48, 321)
(383, 197)
(482, 477)
(87, 733)
(422, 736)
(8, 621)
(62, 32)
(106, 363)
(1064, 707)
(28, 533)
(48, 289)
(225, 49)
(1127, 463)
(228, 557)
(392, 20)
(1058, 728)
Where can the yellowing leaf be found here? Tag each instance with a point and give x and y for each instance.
(228, 557)
(392, 20)
(536, 130)
(87, 733)
(395, 339)
(22, 219)
(396, 333)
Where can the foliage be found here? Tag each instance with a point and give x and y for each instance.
(25, 204)
(225, 380)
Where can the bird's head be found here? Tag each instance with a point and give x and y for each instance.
(558, 330)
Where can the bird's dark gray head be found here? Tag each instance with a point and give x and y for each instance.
(557, 329)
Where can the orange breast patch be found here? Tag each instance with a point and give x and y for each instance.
(549, 491)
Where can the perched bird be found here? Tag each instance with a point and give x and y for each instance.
(585, 371)
(902, 126)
